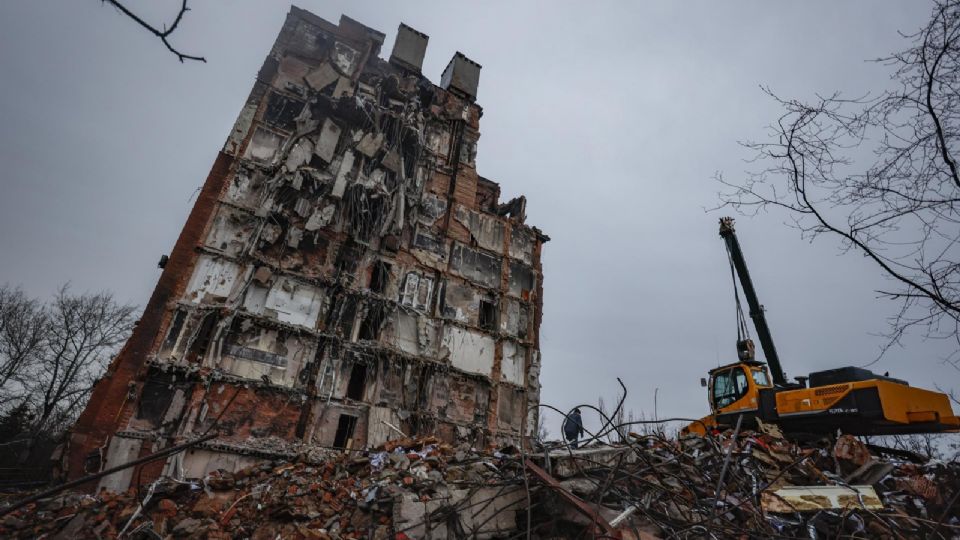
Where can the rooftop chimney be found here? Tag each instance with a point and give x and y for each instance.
(462, 76)
(409, 48)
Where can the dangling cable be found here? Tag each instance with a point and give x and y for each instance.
(743, 330)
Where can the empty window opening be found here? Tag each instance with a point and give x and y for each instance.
(155, 397)
(488, 315)
(93, 462)
(345, 427)
(347, 259)
(282, 111)
(175, 329)
(391, 243)
(372, 322)
(424, 389)
(410, 148)
(379, 277)
(358, 382)
(341, 315)
(201, 342)
(389, 127)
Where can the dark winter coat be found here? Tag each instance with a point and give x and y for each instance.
(573, 426)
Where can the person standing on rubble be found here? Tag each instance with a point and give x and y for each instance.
(573, 427)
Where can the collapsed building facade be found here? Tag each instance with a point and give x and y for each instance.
(345, 275)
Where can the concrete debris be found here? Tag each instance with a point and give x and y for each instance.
(321, 77)
(651, 486)
(327, 140)
(646, 487)
(791, 499)
(403, 489)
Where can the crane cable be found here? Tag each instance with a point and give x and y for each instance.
(743, 330)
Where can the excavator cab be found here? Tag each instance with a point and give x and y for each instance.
(732, 390)
(735, 387)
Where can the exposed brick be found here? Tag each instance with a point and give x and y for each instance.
(103, 412)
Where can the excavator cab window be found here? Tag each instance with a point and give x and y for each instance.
(729, 386)
(760, 377)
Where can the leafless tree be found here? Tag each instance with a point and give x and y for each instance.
(52, 353)
(880, 174)
(22, 326)
(164, 33)
(84, 331)
(933, 446)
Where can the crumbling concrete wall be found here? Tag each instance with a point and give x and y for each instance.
(344, 276)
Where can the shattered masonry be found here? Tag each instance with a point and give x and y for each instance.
(746, 484)
(345, 274)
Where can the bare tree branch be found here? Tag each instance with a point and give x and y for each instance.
(878, 173)
(162, 34)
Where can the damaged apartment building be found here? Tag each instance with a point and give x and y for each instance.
(345, 276)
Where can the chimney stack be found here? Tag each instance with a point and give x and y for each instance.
(409, 48)
(462, 76)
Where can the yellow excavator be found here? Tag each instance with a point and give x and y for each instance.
(851, 399)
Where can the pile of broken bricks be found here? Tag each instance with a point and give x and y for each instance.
(750, 484)
(399, 487)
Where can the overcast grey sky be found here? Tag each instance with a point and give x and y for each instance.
(610, 117)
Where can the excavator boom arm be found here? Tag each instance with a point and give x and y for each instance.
(756, 309)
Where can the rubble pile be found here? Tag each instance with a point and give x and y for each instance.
(376, 494)
(758, 484)
(751, 484)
